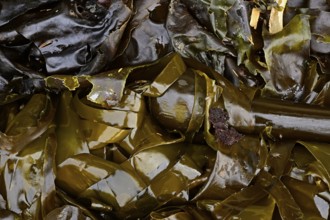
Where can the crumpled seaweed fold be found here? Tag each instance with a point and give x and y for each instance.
(164, 110)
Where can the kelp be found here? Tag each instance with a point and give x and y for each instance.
(189, 37)
(164, 110)
(285, 76)
(57, 37)
(148, 39)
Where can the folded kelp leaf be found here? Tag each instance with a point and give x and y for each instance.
(300, 196)
(105, 126)
(286, 204)
(69, 35)
(146, 38)
(319, 30)
(135, 187)
(57, 37)
(28, 124)
(299, 178)
(115, 117)
(311, 47)
(27, 178)
(320, 44)
(282, 117)
(179, 212)
(314, 162)
(287, 55)
(104, 184)
(239, 30)
(313, 4)
(263, 209)
(16, 80)
(294, 198)
(235, 204)
(13, 9)
(116, 156)
(135, 166)
(67, 212)
(178, 105)
(150, 134)
(153, 79)
(306, 196)
(192, 40)
(8, 215)
(69, 134)
(103, 114)
(234, 170)
(228, 20)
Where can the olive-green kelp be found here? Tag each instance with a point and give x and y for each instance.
(101, 119)
(143, 147)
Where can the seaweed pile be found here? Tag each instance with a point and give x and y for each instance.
(164, 109)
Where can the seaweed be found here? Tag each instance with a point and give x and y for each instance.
(181, 109)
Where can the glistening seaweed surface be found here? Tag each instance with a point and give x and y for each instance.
(166, 109)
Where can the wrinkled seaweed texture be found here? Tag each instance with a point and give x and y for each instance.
(148, 38)
(59, 37)
(167, 109)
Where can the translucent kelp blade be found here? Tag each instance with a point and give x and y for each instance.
(285, 202)
(287, 67)
(99, 135)
(320, 43)
(278, 157)
(192, 40)
(110, 152)
(85, 169)
(213, 93)
(70, 137)
(263, 209)
(235, 204)
(323, 97)
(152, 161)
(67, 212)
(107, 88)
(150, 134)
(198, 111)
(122, 119)
(276, 17)
(31, 122)
(230, 174)
(100, 185)
(305, 194)
(170, 73)
(28, 178)
(146, 38)
(172, 184)
(175, 213)
(239, 30)
(5, 214)
(117, 188)
(321, 152)
(179, 212)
